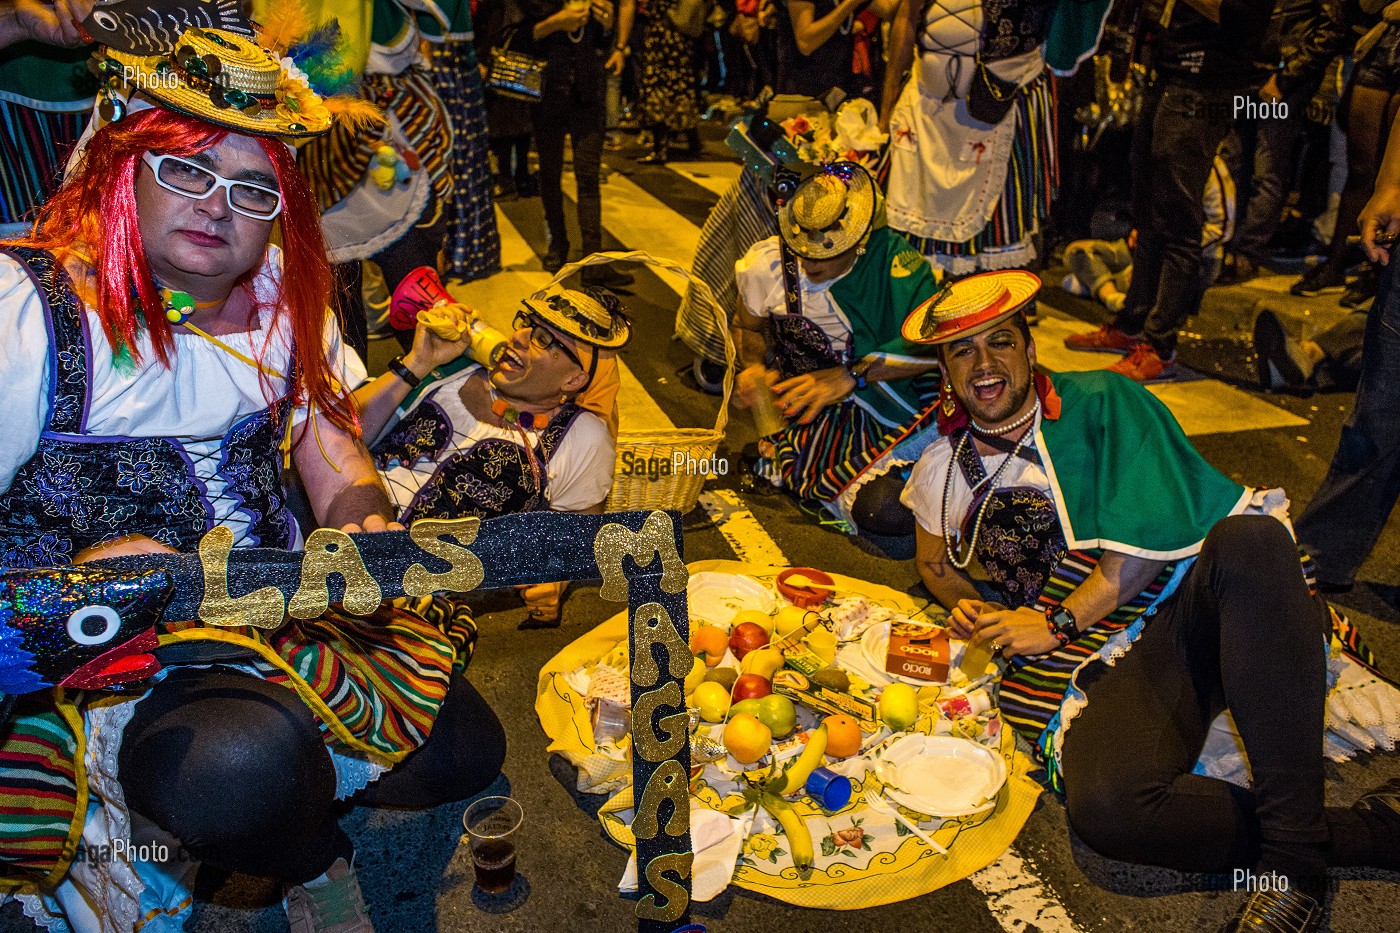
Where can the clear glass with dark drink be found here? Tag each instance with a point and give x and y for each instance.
(491, 823)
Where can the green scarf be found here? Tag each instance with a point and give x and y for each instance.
(1125, 476)
(888, 282)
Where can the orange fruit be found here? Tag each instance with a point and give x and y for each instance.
(746, 738)
(842, 735)
(709, 643)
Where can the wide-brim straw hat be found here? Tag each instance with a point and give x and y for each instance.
(830, 213)
(970, 305)
(225, 79)
(582, 317)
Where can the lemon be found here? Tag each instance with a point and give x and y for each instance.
(696, 676)
(712, 700)
(787, 620)
(899, 706)
(762, 619)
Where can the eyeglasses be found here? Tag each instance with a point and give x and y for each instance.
(197, 182)
(543, 337)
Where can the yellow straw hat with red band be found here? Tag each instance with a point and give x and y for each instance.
(970, 305)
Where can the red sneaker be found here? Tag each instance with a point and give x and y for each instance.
(1106, 339)
(1144, 365)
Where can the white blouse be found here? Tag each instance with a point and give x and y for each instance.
(759, 276)
(204, 392)
(580, 471)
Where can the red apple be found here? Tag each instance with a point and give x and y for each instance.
(746, 637)
(750, 687)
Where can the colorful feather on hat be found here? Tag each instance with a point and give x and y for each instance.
(324, 55)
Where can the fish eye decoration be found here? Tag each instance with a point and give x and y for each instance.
(94, 626)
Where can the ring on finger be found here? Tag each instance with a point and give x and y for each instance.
(996, 647)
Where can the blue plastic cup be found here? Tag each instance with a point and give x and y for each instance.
(831, 790)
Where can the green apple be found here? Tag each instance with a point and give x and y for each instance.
(778, 714)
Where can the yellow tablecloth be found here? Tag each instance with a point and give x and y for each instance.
(863, 857)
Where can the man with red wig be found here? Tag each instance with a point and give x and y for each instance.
(161, 370)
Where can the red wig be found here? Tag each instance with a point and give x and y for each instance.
(96, 208)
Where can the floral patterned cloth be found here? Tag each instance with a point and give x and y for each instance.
(669, 92)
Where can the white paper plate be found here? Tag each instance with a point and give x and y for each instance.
(717, 597)
(874, 645)
(942, 775)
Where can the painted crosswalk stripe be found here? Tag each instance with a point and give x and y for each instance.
(1018, 899)
(741, 530)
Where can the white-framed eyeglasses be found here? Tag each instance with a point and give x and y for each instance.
(197, 182)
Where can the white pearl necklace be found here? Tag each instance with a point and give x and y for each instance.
(953, 557)
(1006, 428)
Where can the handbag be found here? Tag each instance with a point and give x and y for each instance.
(989, 98)
(516, 74)
(689, 16)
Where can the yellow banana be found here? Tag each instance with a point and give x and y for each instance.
(795, 828)
(447, 321)
(795, 777)
(765, 662)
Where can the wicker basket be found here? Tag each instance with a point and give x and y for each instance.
(678, 489)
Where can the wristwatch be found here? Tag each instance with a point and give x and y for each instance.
(1063, 625)
(858, 372)
(397, 367)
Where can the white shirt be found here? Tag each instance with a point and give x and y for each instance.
(580, 471)
(195, 402)
(759, 277)
(923, 494)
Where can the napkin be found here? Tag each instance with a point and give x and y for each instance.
(717, 839)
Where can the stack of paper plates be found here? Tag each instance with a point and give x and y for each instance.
(943, 776)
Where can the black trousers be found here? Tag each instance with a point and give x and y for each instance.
(557, 116)
(1242, 633)
(1347, 514)
(1173, 150)
(235, 768)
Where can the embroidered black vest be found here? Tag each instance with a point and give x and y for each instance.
(491, 478)
(80, 489)
(1021, 540)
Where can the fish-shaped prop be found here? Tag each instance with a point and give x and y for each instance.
(83, 627)
(152, 27)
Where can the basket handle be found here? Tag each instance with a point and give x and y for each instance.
(645, 258)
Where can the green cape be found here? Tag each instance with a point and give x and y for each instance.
(1125, 476)
(888, 282)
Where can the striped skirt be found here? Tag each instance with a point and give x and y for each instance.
(1032, 182)
(473, 244)
(818, 461)
(34, 145)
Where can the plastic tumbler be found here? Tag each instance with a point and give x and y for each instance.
(491, 823)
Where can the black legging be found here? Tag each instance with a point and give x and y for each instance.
(236, 768)
(557, 116)
(1242, 633)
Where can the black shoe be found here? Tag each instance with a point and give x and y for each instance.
(555, 259)
(527, 186)
(1320, 280)
(1238, 269)
(1363, 289)
(1381, 811)
(606, 277)
(1277, 912)
(655, 157)
(1281, 362)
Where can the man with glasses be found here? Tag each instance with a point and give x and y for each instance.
(162, 362)
(529, 432)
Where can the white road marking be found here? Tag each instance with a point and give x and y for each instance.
(750, 542)
(718, 177)
(1017, 898)
(1203, 406)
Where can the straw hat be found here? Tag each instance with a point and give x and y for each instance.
(589, 318)
(970, 305)
(830, 213)
(225, 79)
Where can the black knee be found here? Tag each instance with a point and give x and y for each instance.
(878, 511)
(227, 763)
(1250, 543)
(1102, 816)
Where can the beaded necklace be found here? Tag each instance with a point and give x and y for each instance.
(521, 422)
(1006, 428)
(961, 562)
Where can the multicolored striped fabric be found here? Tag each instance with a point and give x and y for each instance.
(1032, 689)
(817, 461)
(336, 162)
(42, 790)
(1032, 182)
(473, 244)
(34, 146)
